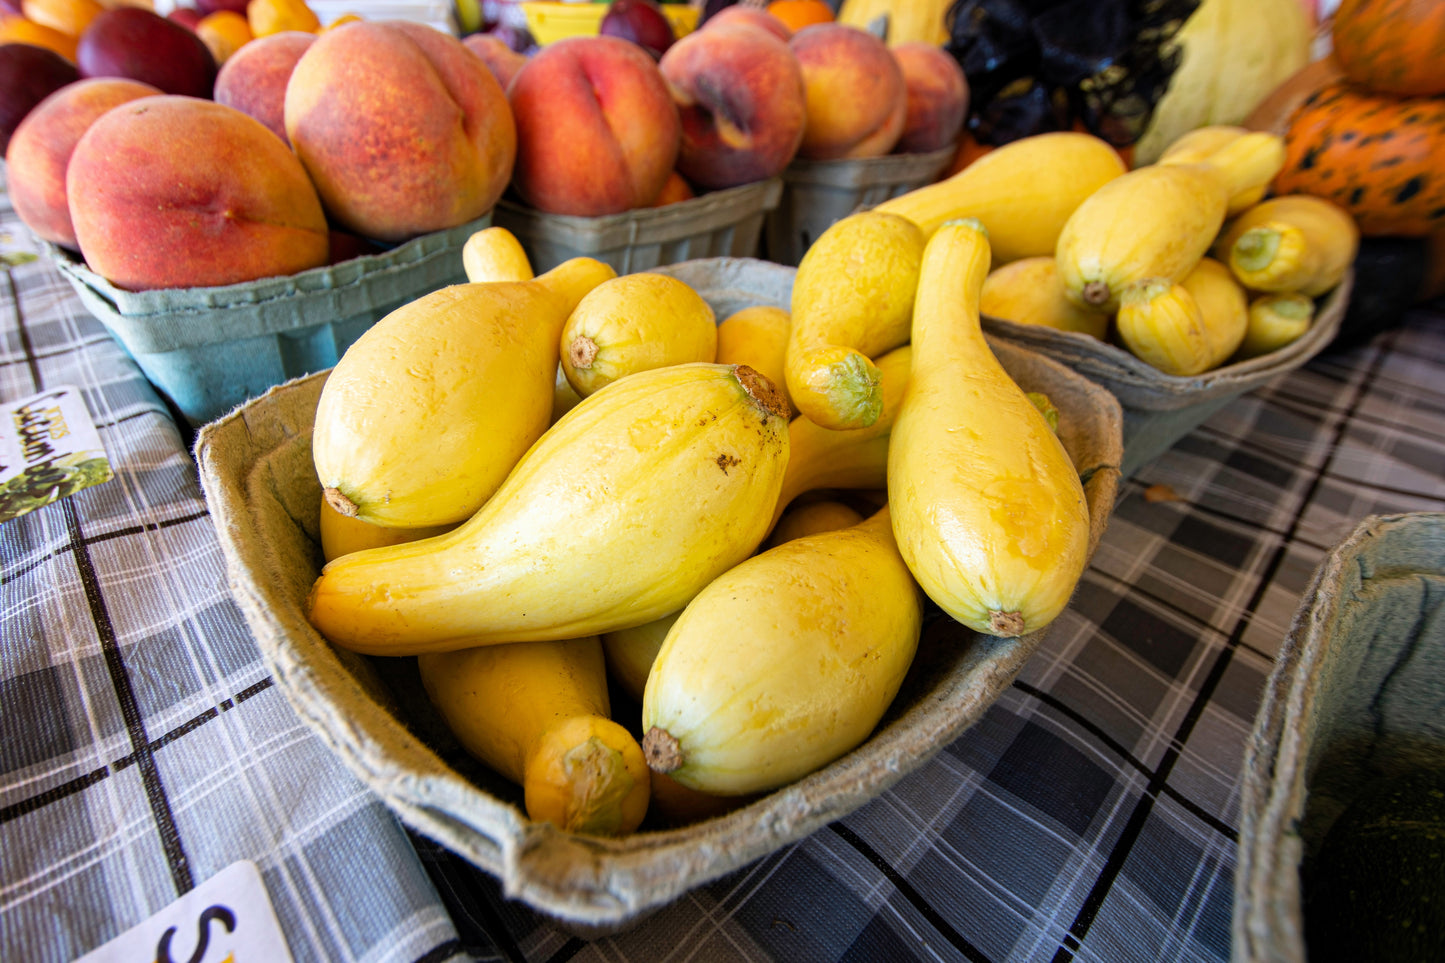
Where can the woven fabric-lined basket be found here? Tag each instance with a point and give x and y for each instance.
(256, 470)
(1160, 409)
(1357, 695)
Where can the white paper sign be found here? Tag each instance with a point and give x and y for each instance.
(227, 919)
(49, 449)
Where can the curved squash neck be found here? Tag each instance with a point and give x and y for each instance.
(945, 313)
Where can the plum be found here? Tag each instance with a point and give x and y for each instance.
(28, 74)
(139, 44)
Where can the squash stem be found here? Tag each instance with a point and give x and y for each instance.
(1256, 248)
(662, 751)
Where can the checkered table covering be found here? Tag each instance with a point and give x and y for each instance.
(1091, 815)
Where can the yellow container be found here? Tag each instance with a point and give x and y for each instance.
(554, 21)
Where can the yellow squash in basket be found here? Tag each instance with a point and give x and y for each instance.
(757, 336)
(784, 662)
(987, 505)
(1198, 144)
(852, 300)
(1157, 221)
(1028, 291)
(343, 534)
(495, 254)
(631, 652)
(1276, 320)
(428, 411)
(1022, 192)
(620, 513)
(632, 323)
(1185, 327)
(851, 458)
(538, 713)
(1293, 242)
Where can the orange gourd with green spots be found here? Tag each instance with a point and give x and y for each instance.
(1381, 158)
(1392, 46)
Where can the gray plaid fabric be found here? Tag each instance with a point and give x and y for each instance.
(1091, 815)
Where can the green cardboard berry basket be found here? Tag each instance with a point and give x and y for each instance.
(725, 223)
(207, 350)
(817, 193)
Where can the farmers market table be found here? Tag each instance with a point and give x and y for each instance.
(1091, 815)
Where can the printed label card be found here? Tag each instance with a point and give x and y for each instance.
(227, 919)
(49, 449)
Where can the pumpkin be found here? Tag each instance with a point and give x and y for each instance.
(1392, 46)
(1381, 158)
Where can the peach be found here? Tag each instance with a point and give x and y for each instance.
(597, 132)
(142, 45)
(39, 153)
(421, 140)
(740, 93)
(254, 79)
(675, 189)
(171, 191)
(857, 99)
(937, 92)
(750, 16)
(497, 54)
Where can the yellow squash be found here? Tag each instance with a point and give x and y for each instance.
(1276, 320)
(1186, 328)
(810, 518)
(784, 662)
(1294, 242)
(631, 652)
(632, 323)
(1157, 221)
(538, 713)
(428, 411)
(495, 254)
(1160, 323)
(852, 300)
(1022, 192)
(851, 458)
(1223, 306)
(987, 506)
(342, 534)
(757, 336)
(1028, 291)
(628, 505)
(1198, 145)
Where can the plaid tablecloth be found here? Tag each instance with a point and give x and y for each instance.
(1091, 815)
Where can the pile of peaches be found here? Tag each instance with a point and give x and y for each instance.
(314, 145)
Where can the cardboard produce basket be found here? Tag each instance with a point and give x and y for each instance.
(1160, 409)
(817, 193)
(210, 349)
(726, 223)
(260, 484)
(1356, 697)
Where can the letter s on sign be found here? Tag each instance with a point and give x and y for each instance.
(221, 913)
